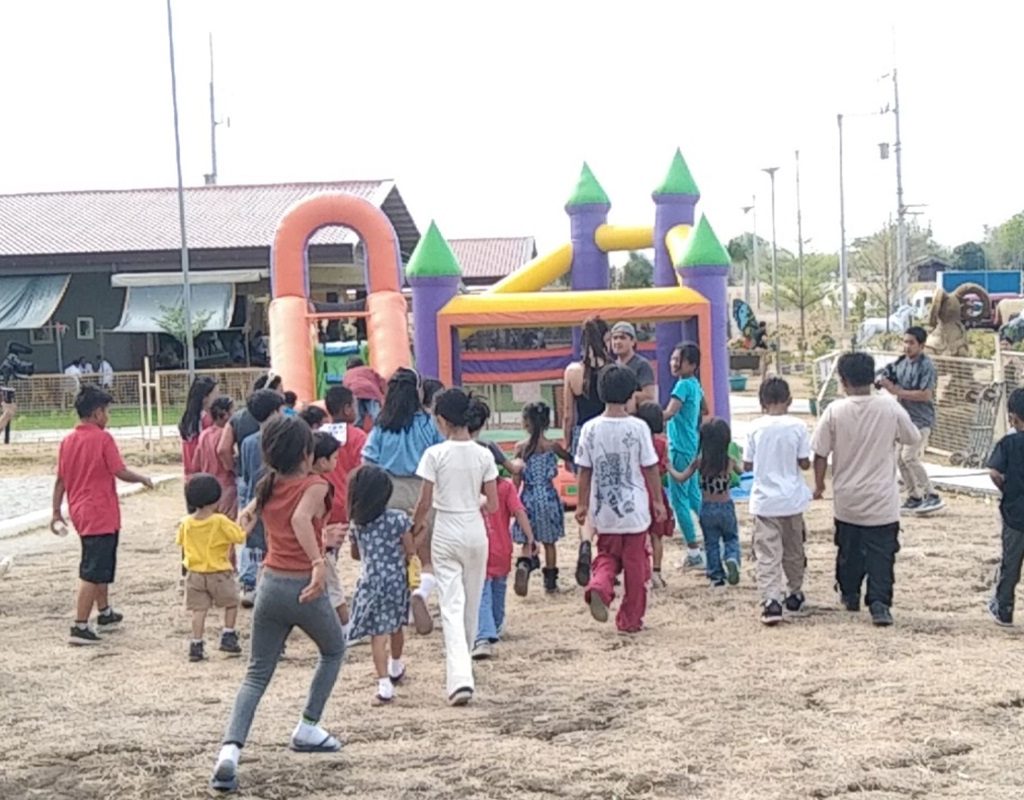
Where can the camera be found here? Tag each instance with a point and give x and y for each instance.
(887, 373)
(13, 366)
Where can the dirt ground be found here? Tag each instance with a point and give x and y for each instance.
(706, 703)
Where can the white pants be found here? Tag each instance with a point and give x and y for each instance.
(459, 553)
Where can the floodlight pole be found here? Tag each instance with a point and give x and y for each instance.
(190, 354)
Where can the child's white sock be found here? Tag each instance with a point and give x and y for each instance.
(345, 628)
(229, 752)
(693, 548)
(395, 667)
(427, 584)
(307, 732)
(229, 630)
(385, 688)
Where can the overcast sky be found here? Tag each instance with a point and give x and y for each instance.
(484, 112)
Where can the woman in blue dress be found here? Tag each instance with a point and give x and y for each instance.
(540, 497)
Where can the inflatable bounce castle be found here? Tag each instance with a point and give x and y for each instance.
(687, 303)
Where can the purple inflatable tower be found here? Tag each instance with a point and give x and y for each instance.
(704, 267)
(674, 204)
(434, 274)
(588, 210)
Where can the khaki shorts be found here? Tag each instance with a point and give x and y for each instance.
(335, 590)
(204, 590)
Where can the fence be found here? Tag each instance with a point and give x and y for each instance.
(961, 382)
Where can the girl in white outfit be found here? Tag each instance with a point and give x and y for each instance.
(454, 475)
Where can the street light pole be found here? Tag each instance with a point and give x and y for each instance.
(190, 354)
(901, 209)
(800, 254)
(746, 268)
(844, 302)
(755, 247)
(775, 251)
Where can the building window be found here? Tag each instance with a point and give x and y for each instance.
(41, 335)
(85, 328)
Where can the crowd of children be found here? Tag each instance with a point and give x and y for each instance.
(421, 503)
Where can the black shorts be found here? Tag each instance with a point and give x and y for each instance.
(99, 558)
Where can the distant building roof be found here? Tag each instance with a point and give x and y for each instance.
(492, 258)
(140, 220)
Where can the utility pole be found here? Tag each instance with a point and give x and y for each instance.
(756, 247)
(775, 251)
(800, 254)
(752, 257)
(901, 209)
(844, 303)
(211, 179)
(190, 353)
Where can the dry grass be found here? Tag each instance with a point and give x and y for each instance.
(706, 703)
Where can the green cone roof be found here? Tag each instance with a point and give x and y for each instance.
(433, 257)
(704, 249)
(678, 180)
(588, 191)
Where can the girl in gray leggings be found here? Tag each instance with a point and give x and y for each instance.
(293, 504)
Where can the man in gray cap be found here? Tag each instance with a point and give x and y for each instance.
(624, 348)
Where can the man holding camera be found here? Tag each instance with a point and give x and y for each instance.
(912, 380)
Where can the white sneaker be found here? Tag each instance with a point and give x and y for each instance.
(482, 650)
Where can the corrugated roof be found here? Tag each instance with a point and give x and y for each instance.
(139, 220)
(493, 258)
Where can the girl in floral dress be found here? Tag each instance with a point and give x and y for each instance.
(382, 540)
(543, 505)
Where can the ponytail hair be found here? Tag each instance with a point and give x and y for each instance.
(537, 417)
(287, 442)
(477, 414)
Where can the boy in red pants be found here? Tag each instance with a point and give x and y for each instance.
(618, 485)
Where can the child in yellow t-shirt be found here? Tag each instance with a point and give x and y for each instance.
(206, 539)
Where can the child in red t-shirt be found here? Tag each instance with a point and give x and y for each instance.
(499, 564)
(206, 458)
(652, 414)
(88, 464)
(341, 413)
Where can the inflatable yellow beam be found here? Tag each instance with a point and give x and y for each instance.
(624, 237)
(534, 275)
(676, 240)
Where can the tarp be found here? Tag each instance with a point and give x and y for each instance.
(28, 302)
(144, 307)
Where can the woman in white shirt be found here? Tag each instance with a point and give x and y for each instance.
(454, 474)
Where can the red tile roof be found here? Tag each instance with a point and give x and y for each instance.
(492, 258)
(133, 220)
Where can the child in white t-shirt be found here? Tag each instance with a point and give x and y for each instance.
(455, 473)
(778, 448)
(618, 485)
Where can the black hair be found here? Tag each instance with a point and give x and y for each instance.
(89, 399)
(274, 383)
(287, 441)
(290, 399)
(773, 391)
(918, 333)
(221, 407)
(201, 490)
(652, 414)
(431, 389)
(313, 416)
(456, 407)
(263, 403)
(260, 383)
(688, 352)
(369, 490)
(1015, 405)
(616, 384)
(324, 445)
(537, 417)
(593, 351)
(337, 398)
(856, 369)
(715, 438)
(402, 401)
(354, 362)
(479, 413)
(190, 423)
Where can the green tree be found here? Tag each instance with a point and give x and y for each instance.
(172, 321)
(969, 256)
(636, 273)
(873, 263)
(806, 289)
(1005, 243)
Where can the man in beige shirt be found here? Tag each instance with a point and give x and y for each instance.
(861, 432)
